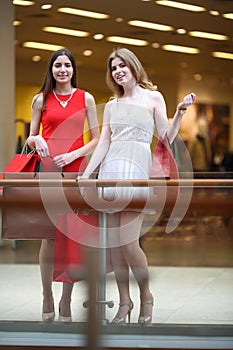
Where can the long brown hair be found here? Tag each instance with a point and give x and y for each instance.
(131, 60)
(49, 82)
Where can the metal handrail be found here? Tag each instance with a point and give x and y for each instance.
(41, 182)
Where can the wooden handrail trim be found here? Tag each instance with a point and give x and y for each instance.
(114, 182)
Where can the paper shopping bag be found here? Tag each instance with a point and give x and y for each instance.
(36, 214)
(164, 164)
(23, 163)
(75, 232)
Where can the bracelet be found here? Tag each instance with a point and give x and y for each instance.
(182, 110)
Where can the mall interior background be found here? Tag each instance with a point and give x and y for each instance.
(205, 242)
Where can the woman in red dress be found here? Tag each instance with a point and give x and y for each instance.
(60, 108)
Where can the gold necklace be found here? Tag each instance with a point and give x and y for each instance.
(64, 103)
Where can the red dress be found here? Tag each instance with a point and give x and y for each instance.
(62, 128)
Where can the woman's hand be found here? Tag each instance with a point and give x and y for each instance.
(82, 177)
(41, 146)
(187, 101)
(63, 159)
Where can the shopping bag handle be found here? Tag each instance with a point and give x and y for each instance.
(38, 169)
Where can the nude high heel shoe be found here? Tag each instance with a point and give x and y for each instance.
(64, 319)
(48, 316)
(120, 320)
(146, 309)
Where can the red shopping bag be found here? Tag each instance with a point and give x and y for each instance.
(164, 164)
(75, 232)
(21, 163)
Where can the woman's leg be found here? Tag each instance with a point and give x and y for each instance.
(130, 228)
(46, 260)
(46, 270)
(64, 305)
(120, 268)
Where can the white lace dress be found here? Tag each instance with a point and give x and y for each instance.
(129, 155)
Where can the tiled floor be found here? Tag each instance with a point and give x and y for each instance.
(183, 295)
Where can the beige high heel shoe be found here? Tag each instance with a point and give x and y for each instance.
(120, 320)
(145, 316)
(63, 319)
(48, 316)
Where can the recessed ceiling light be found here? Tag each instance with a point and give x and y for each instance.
(180, 5)
(127, 41)
(228, 15)
(198, 77)
(66, 31)
(17, 23)
(155, 45)
(87, 53)
(214, 13)
(205, 35)
(41, 46)
(23, 2)
(226, 55)
(98, 36)
(150, 25)
(181, 49)
(181, 31)
(84, 13)
(119, 20)
(36, 58)
(46, 6)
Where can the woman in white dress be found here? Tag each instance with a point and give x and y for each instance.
(123, 152)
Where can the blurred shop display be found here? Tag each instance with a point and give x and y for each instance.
(22, 133)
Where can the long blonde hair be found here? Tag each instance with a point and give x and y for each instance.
(131, 60)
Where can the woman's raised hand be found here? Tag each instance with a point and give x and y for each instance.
(187, 101)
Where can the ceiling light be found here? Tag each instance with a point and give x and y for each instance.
(83, 13)
(17, 23)
(181, 31)
(181, 49)
(205, 35)
(23, 2)
(36, 58)
(226, 55)
(150, 25)
(127, 41)
(46, 6)
(41, 46)
(198, 77)
(181, 5)
(214, 13)
(98, 36)
(66, 31)
(119, 20)
(87, 53)
(155, 45)
(228, 15)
